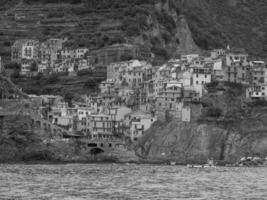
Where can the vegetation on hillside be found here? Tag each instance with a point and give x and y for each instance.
(216, 24)
(60, 85)
(99, 23)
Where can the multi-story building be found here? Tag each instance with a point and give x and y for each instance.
(201, 75)
(133, 73)
(16, 50)
(258, 73)
(67, 54)
(236, 55)
(137, 123)
(218, 72)
(189, 58)
(114, 53)
(107, 86)
(237, 73)
(171, 94)
(30, 50)
(110, 122)
(80, 52)
(257, 92)
(26, 67)
(217, 53)
(25, 49)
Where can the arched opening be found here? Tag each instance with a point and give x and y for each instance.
(92, 145)
(96, 151)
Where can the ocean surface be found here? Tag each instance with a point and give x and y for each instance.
(118, 181)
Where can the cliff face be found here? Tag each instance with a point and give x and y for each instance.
(19, 142)
(239, 131)
(196, 142)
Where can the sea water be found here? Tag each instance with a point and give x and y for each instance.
(129, 181)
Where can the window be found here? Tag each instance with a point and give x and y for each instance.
(197, 82)
(205, 75)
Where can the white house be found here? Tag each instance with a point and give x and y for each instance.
(236, 56)
(216, 53)
(201, 76)
(30, 50)
(218, 71)
(257, 92)
(189, 58)
(139, 122)
(80, 52)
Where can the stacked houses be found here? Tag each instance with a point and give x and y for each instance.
(137, 94)
(48, 57)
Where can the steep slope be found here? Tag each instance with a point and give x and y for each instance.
(217, 23)
(96, 24)
(238, 130)
(154, 24)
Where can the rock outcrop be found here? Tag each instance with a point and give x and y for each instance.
(240, 131)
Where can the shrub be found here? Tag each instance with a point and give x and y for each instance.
(214, 112)
(15, 74)
(84, 72)
(52, 79)
(39, 76)
(159, 51)
(54, 14)
(12, 65)
(91, 83)
(126, 57)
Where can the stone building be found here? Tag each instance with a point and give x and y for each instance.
(237, 73)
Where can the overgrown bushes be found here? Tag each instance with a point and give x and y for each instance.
(213, 112)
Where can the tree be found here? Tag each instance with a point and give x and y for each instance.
(68, 97)
(12, 65)
(52, 79)
(126, 57)
(34, 67)
(91, 83)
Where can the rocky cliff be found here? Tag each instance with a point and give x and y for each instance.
(227, 129)
(19, 142)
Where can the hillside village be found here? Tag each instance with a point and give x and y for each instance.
(135, 94)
